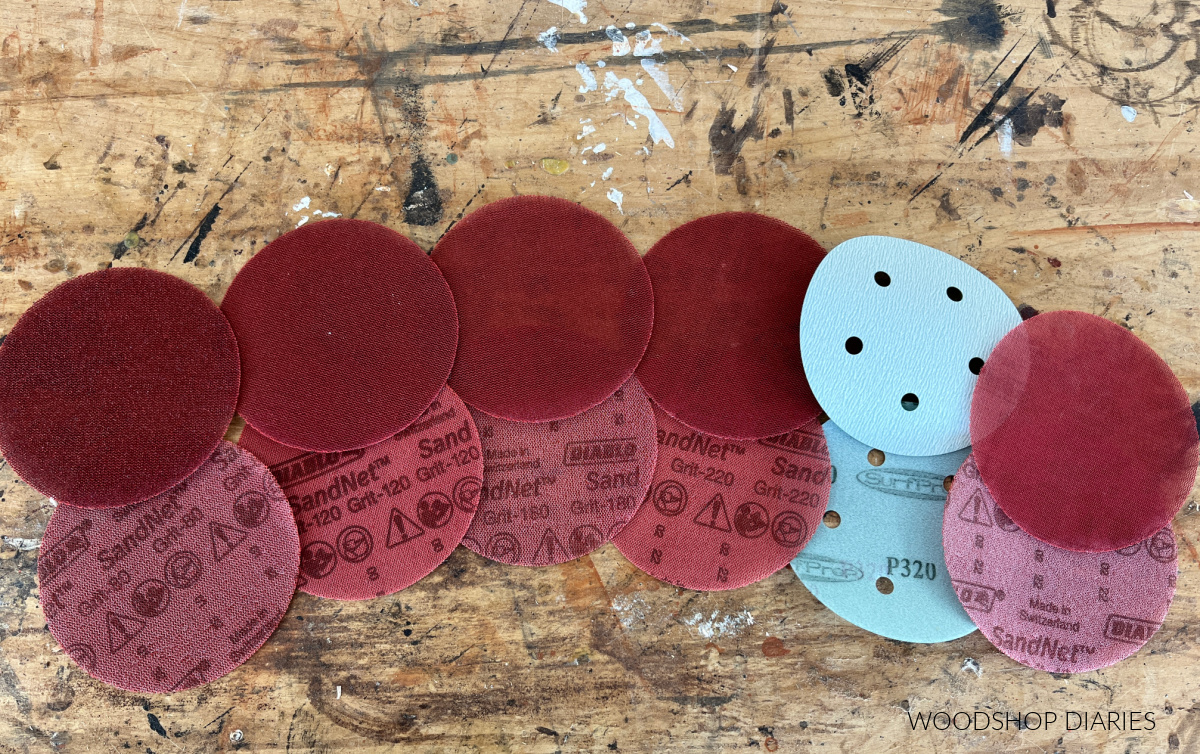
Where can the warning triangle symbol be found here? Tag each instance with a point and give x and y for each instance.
(975, 510)
(194, 677)
(225, 539)
(714, 515)
(401, 529)
(550, 549)
(121, 629)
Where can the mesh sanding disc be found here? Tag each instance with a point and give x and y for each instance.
(375, 520)
(894, 335)
(555, 491)
(178, 590)
(347, 333)
(555, 307)
(876, 559)
(725, 513)
(1049, 608)
(1085, 437)
(725, 356)
(115, 386)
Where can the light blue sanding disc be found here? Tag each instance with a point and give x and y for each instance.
(893, 335)
(889, 535)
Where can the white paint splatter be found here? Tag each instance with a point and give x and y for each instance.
(607, 174)
(732, 67)
(1183, 210)
(415, 4)
(971, 665)
(599, 148)
(614, 86)
(600, 64)
(658, 72)
(383, 188)
(550, 38)
(573, 6)
(1004, 135)
(631, 25)
(712, 626)
(620, 43)
(23, 205)
(631, 609)
(339, 693)
(617, 198)
(587, 130)
(182, 7)
(671, 32)
(589, 78)
(305, 203)
(1128, 113)
(23, 544)
(645, 43)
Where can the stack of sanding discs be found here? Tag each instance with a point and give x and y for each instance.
(743, 472)
(879, 417)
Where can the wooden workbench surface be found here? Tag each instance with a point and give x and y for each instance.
(1049, 144)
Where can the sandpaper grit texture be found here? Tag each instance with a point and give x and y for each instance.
(1085, 436)
(178, 590)
(116, 386)
(375, 520)
(876, 559)
(1045, 607)
(555, 491)
(725, 513)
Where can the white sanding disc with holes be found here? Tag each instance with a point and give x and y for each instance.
(894, 335)
(876, 559)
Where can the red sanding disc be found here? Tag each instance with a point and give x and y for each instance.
(556, 491)
(115, 387)
(347, 333)
(1045, 607)
(178, 590)
(1085, 437)
(726, 513)
(375, 520)
(725, 354)
(555, 306)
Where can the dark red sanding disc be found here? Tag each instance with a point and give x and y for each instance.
(725, 354)
(1045, 607)
(375, 520)
(1085, 437)
(115, 386)
(556, 491)
(178, 590)
(725, 513)
(555, 307)
(347, 333)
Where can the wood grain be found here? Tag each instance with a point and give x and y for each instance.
(184, 136)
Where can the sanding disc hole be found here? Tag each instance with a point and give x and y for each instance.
(909, 402)
(831, 519)
(954, 293)
(884, 585)
(883, 279)
(876, 457)
(976, 365)
(948, 483)
(854, 346)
